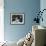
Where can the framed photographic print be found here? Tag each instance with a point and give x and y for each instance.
(17, 18)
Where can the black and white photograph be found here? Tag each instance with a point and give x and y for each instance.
(17, 18)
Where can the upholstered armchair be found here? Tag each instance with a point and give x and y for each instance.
(39, 33)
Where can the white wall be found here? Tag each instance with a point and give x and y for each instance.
(1, 20)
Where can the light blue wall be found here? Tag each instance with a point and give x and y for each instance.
(43, 6)
(29, 7)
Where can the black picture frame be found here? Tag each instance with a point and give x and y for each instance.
(17, 18)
